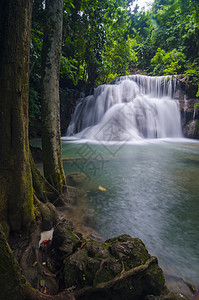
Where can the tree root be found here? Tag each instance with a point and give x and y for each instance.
(43, 189)
(85, 292)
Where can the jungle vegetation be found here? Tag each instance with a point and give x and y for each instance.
(106, 39)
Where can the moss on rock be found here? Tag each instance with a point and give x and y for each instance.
(64, 240)
(119, 268)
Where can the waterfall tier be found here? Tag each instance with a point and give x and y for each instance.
(132, 108)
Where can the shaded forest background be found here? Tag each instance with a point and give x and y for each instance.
(109, 38)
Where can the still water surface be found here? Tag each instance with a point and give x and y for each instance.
(152, 192)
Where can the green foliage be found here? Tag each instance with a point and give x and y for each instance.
(176, 38)
(166, 63)
(69, 69)
(35, 68)
(101, 28)
(115, 59)
(193, 74)
(98, 38)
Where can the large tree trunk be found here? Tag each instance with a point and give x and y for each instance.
(51, 134)
(16, 184)
(16, 191)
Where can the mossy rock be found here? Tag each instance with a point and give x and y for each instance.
(119, 268)
(64, 240)
(131, 251)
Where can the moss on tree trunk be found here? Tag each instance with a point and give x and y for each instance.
(13, 284)
(16, 184)
(16, 191)
(51, 133)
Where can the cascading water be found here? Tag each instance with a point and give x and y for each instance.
(132, 108)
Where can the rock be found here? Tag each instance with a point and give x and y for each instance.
(180, 286)
(64, 240)
(119, 268)
(76, 179)
(191, 130)
(169, 296)
(131, 251)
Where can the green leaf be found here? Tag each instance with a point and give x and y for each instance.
(42, 283)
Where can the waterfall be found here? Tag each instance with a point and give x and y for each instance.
(194, 113)
(185, 106)
(131, 108)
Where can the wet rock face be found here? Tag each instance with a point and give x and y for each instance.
(119, 268)
(191, 130)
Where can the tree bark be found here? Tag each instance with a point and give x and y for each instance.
(16, 181)
(16, 191)
(51, 134)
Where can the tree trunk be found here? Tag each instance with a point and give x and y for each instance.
(51, 134)
(16, 183)
(13, 284)
(16, 191)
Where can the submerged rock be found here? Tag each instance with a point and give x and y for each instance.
(76, 179)
(180, 286)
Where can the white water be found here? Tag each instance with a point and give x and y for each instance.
(133, 108)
